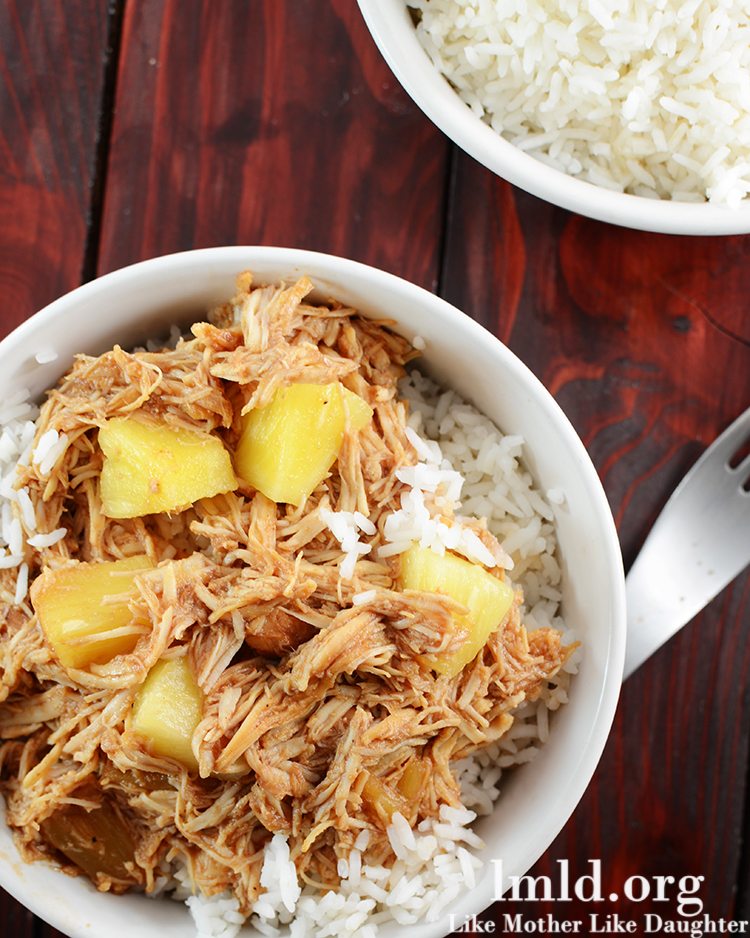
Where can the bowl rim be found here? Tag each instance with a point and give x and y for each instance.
(389, 25)
(322, 265)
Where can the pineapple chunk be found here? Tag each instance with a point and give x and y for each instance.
(287, 447)
(98, 841)
(486, 599)
(77, 613)
(150, 468)
(167, 709)
(382, 801)
(414, 780)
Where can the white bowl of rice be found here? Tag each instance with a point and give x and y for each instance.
(523, 468)
(634, 114)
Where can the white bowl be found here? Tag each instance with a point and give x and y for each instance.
(132, 304)
(392, 28)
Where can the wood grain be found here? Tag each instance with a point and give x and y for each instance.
(52, 55)
(642, 340)
(268, 122)
(277, 122)
(51, 72)
(237, 122)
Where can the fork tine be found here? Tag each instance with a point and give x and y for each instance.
(713, 464)
(741, 470)
(731, 439)
(739, 458)
(698, 544)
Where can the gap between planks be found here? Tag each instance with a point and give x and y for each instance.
(115, 15)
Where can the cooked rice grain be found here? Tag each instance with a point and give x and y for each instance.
(647, 98)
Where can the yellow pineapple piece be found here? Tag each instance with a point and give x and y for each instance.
(382, 801)
(487, 600)
(287, 447)
(83, 609)
(149, 468)
(414, 780)
(167, 709)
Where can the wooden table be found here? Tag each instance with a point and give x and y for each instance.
(140, 127)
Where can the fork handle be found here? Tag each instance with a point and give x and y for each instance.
(655, 614)
(675, 575)
(698, 545)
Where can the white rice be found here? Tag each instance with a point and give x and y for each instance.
(495, 486)
(48, 450)
(17, 429)
(22, 583)
(18, 520)
(15, 536)
(411, 523)
(346, 527)
(651, 98)
(279, 882)
(359, 599)
(431, 868)
(27, 510)
(215, 916)
(10, 560)
(47, 540)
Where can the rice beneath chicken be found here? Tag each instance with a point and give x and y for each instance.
(314, 666)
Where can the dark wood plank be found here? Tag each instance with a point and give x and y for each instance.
(52, 58)
(51, 72)
(277, 122)
(643, 339)
(17, 921)
(266, 122)
(270, 122)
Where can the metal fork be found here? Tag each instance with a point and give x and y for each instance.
(699, 544)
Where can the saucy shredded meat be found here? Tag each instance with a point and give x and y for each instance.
(317, 713)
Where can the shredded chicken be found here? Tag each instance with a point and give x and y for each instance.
(306, 695)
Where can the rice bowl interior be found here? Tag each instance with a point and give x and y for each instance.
(392, 26)
(512, 794)
(650, 101)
